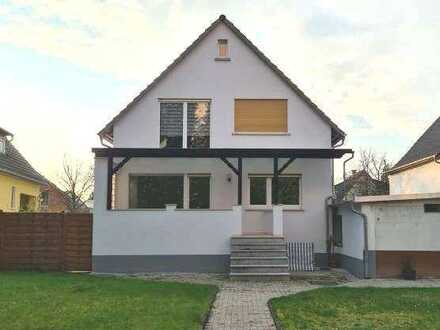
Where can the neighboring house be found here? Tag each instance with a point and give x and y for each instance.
(360, 183)
(19, 182)
(54, 200)
(377, 236)
(419, 169)
(222, 144)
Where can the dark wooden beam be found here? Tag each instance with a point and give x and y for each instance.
(109, 182)
(290, 161)
(221, 152)
(121, 164)
(275, 182)
(229, 165)
(240, 180)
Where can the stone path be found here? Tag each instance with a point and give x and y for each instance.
(239, 305)
(243, 305)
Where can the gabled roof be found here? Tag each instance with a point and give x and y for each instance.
(425, 148)
(12, 162)
(337, 133)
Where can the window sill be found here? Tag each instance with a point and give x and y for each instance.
(222, 59)
(262, 133)
(165, 210)
(269, 208)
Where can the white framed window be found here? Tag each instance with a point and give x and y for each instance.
(184, 124)
(223, 48)
(13, 198)
(260, 191)
(155, 191)
(2, 145)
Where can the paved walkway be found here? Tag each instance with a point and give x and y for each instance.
(239, 305)
(243, 305)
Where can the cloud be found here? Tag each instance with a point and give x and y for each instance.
(372, 66)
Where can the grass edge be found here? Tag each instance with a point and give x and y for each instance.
(205, 318)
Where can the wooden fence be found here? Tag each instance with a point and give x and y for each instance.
(46, 241)
(300, 256)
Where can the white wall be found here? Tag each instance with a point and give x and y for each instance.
(140, 232)
(306, 224)
(422, 179)
(352, 233)
(245, 76)
(402, 226)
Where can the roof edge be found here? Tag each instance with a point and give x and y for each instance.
(396, 198)
(23, 176)
(414, 164)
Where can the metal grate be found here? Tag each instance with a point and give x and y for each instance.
(300, 256)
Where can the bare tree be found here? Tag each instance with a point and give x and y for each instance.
(374, 164)
(77, 181)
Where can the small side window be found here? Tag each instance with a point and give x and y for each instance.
(223, 48)
(432, 208)
(13, 199)
(337, 230)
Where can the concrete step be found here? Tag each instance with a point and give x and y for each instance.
(259, 276)
(257, 239)
(258, 247)
(261, 269)
(259, 261)
(259, 253)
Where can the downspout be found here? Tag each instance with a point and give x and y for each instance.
(365, 221)
(327, 226)
(343, 174)
(340, 144)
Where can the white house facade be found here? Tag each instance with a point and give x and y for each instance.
(222, 144)
(418, 171)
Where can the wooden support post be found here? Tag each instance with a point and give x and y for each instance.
(240, 180)
(275, 182)
(109, 182)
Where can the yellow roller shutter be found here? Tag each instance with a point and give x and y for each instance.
(260, 116)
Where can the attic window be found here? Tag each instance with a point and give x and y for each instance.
(223, 50)
(2, 145)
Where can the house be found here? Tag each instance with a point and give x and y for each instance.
(19, 182)
(377, 236)
(214, 166)
(359, 183)
(418, 171)
(54, 200)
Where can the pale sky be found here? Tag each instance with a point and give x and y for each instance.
(67, 67)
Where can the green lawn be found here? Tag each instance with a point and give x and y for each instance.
(67, 301)
(360, 308)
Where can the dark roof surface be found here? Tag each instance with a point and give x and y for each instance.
(427, 145)
(337, 133)
(14, 163)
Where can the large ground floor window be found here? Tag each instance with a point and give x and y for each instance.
(156, 191)
(261, 192)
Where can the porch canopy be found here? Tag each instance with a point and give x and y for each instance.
(220, 153)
